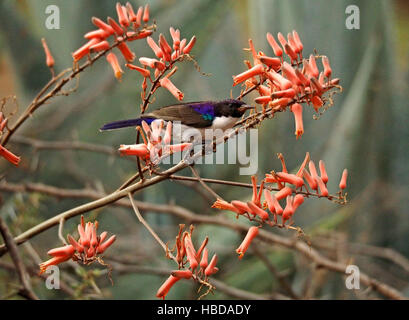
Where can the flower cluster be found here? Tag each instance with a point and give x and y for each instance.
(130, 26)
(155, 147)
(166, 56)
(199, 266)
(86, 250)
(282, 84)
(293, 195)
(6, 154)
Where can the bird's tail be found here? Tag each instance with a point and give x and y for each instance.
(125, 123)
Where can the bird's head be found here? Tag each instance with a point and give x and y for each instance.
(232, 108)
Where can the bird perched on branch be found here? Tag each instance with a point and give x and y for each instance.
(193, 117)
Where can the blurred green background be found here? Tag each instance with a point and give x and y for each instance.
(365, 131)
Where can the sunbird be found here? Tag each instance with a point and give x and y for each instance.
(200, 115)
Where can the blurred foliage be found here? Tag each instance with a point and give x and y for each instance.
(365, 131)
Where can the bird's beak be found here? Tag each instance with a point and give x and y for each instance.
(245, 107)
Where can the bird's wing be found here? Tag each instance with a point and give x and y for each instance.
(184, 113)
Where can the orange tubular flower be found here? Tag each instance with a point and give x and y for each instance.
(175, 38)
(182, 274)
(298, 42)
(327, 67)
(211, 268)
(203, 261)
(156, 49)
(102, 25)
(178, 147)
(113, 61)
(152, 63)
(289, 209)
(292, 43)
(323, 172)
(202, 246)
(257, 211)
(283, 193)
(139, 14)
(84, 50)
(76, 245)
(62, 251)
(103, 246)
(277, 207)
(316, 86)
(101, 34)
(288, 93)
(166, 49)
(263, 99)
(313, 67)
(100, 46)
(290, 52)
(126, 52)
(166, 83)
(269, 200)
(145, 17)
(224, 205)
(317, 102)
(290, 178)
(190, 45)
(313, 170)
(122, 17)
(256, 60)
(264, 90)
(281, 38)
(279, 80)
(274, 45)
(311, 181)
(53, 262)
(49, 58)
(241, 206)
(289, 72)
(256, 70)
(304, 80)
(9, 156)
(303, 165)
(343, 182)
(118, 30)
(190, 253)
(166, 286)
(131, 13)
(164, 44)
(140, 150)
(296, 109)
(144, 72)
(251, 234)
(322, 186)
(298, 200)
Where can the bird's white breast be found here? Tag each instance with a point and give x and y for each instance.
(223, 123)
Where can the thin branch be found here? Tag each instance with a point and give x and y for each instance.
(281, 279)
(210, 190)
(26, 291)
(60, 231)
(64, 145)
(148, 227)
